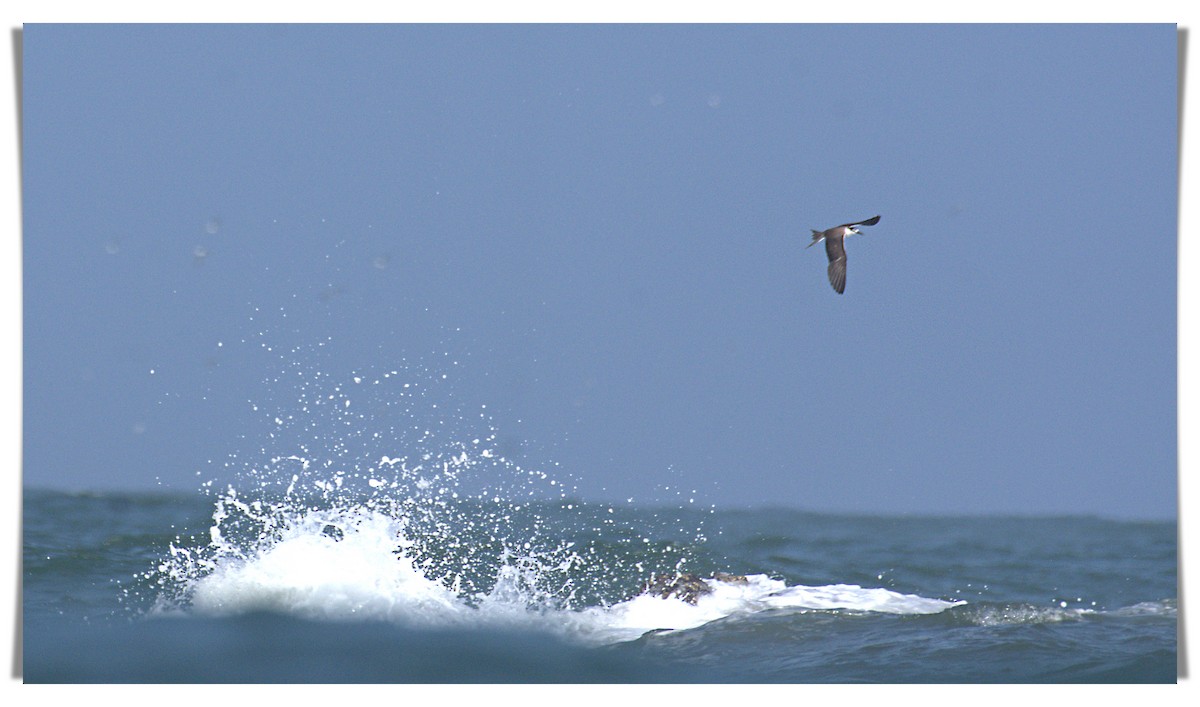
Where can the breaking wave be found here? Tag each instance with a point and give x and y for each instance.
(374, 496)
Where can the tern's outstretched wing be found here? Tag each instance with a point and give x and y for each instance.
(869, 222)
(836, 251)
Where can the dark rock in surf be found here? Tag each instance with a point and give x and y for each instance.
(686, 586)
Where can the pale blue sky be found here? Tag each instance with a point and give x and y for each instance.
(605, 227)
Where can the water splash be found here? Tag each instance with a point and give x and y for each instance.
(377, 495)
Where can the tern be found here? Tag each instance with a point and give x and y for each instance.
(837, 251)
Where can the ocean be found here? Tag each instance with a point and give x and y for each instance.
(374, 529)
(301, 575)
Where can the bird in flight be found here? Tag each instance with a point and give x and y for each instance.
(837, 251)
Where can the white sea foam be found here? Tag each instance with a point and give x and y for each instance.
(1165, 607)
(359, 512)
(1025, 614)
(643, 613)
(315, 574)
(351, 565)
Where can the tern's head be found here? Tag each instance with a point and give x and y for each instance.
(852, 229)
